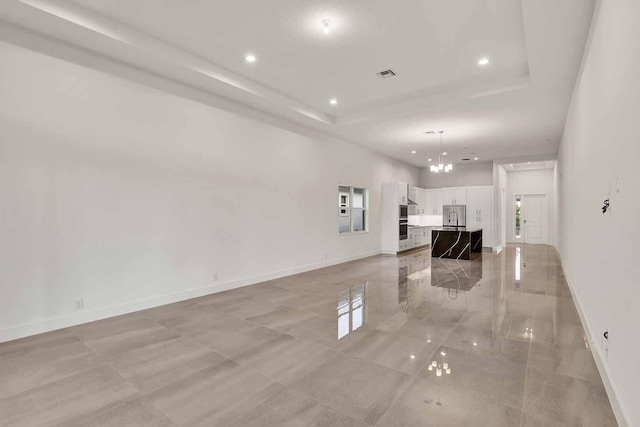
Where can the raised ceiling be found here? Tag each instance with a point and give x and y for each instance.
(514, 106)
(529, 166)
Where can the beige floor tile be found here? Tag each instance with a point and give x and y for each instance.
(554, 398)
(394, 351)
(235, 337)
(282, 318)
(65, 399)
(291, 409)
(116, 345)
(136, 413)
(432, 404)
(214, 396)
(151, 367)
(481, 375)
(428, 311)
(41, 360)
(112, 326)
(248, 307)
(285, 359)
(426, 330)
(489, 343)
(315, 304)
(357, 388)
(566, 360)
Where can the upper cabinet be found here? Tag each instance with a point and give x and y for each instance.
(403, 193)
(479, 201)
(433, 202)
(419, 196)
(454, 196)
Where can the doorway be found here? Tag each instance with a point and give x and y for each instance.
(531, 219)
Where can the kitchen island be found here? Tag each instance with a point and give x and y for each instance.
(455, 242)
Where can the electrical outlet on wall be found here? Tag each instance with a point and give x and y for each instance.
(80, 304)
(604, 343)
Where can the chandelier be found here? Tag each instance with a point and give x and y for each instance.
(441, 167)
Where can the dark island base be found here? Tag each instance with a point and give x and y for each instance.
(457, 244)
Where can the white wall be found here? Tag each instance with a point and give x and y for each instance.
(600, 146)
(499, 206)
(530, 182)
(129, 197)
(465, 175)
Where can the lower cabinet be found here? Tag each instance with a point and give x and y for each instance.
(484, 222)
(416, 237)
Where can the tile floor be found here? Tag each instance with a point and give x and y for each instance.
(349, 345)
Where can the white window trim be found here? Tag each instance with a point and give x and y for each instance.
(350, 209)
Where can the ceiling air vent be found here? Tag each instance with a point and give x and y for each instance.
(386, 74)
(465, 160)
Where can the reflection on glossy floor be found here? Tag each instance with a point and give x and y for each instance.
(383, 341)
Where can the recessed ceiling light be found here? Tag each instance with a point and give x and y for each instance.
(428, 160)
(475, 158)
(250, 58)
(325, 26)
(483, 61)
(333, 102)
(528, 163)
(414, 152)
(444, 154)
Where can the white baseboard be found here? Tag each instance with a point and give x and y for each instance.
(597, 355)
(60, 322)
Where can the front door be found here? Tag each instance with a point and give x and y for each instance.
(535, 218)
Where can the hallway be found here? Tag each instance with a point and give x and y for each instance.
(384, 341)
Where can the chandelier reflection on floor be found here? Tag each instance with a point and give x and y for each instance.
(439, 368)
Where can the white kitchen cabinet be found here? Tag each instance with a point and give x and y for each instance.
(403, 193)
(487, 235)
(472, 204)
(485, 201)
(417, 237)
(422, 201)
(433, 202)
(454, 196)
(479, 203)
(419, 196)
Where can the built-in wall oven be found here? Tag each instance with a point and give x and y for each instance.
(404, 222)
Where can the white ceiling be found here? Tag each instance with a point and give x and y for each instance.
(528, 166)
(515, 106)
